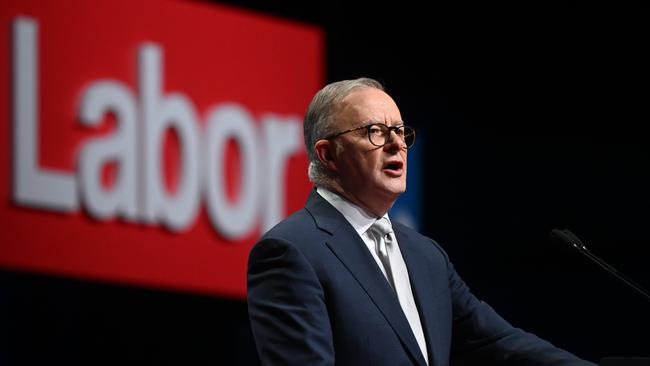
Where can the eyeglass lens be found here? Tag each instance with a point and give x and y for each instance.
(380, 134)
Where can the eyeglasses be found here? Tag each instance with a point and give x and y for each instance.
(379, 134)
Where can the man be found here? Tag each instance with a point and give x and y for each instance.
(337, 283)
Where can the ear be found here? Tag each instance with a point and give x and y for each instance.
(325, 152)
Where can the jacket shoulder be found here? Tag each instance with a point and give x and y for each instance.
(297, 228)
(418, 240)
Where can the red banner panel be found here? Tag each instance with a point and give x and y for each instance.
(149, 142)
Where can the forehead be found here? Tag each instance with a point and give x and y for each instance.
(368, 104)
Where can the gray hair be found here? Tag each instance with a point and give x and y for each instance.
(319, 117)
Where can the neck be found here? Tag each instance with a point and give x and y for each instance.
(377, 206)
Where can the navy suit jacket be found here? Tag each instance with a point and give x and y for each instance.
(317, 297)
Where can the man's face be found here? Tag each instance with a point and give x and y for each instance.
(370, 174)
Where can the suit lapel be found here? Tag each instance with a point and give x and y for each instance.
(349, 248)
(422, 292)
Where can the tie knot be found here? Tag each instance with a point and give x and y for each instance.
(382, 227)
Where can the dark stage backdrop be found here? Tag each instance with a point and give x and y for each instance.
(533, 117)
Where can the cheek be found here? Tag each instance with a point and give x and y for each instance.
(354, 166)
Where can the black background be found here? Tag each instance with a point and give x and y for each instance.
(534, 118)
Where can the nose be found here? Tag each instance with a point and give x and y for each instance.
(394, 141)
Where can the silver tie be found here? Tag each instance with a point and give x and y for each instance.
(397, 275)
(381, 230)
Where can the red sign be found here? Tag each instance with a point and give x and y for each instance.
(149, 142)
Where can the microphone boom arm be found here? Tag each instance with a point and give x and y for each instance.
(569, 238)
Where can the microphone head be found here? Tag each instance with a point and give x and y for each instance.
(573, 238)
(566, 237)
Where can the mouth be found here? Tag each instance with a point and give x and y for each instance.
(393, 168)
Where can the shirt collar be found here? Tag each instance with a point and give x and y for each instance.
(359, 218)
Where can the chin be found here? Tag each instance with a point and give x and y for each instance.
(394, 191)
(397, 188)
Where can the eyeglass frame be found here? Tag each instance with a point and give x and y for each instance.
(387, 139)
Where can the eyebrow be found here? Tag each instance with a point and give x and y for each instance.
(371, 122)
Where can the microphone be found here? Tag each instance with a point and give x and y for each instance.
(569, 238)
